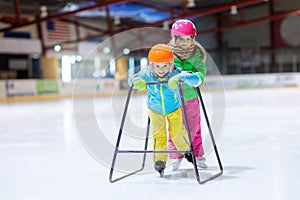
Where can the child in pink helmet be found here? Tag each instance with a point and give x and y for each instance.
(189, 56)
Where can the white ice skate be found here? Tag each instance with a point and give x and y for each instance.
(176, 164)
(201, 162)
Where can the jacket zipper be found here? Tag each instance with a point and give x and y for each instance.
(162, 99)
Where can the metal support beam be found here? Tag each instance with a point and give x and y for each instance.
(66, 14)
(251, 22)
(219, 9)
(41, 37)
(174, 16)
(272, 39)
(108, 20)
(77, 23)
(77, 31)
(218, 29)
(17, 11)
(170, 10)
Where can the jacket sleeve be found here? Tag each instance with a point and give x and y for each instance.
(140, 75)
(189, 78)
(200, 67)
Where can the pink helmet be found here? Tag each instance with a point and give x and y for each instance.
(183, 27)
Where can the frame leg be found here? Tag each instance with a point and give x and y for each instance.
(212, 138)
(118, 143)
(189, 133)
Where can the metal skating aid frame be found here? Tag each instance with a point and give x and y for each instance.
(145, 151)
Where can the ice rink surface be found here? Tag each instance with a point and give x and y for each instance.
(42, 158)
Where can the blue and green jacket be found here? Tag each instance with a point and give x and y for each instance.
(160, 97)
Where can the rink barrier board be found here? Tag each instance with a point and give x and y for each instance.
(38, 89)
(51, 97)
(58, 97)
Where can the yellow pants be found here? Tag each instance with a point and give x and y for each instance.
(177, 132)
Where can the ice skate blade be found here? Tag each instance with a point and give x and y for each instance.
(161, 174)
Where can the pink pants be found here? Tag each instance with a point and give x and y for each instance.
(193, 114)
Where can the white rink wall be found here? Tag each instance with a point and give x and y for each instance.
(256, 80)
(87, 87)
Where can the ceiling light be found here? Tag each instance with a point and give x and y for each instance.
(117, 20)
(78, 58)
(126, 51)
(191, 3)
(166, 25)
(106, 50)
(44, 12)
(57, 47)
(233, 10)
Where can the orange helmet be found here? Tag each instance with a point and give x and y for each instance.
(161, 53)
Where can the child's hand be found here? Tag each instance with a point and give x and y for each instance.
(140, 84)
(173, 82)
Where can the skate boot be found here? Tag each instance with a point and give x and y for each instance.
(176, 164)
(189, 157)
(160, 167)
(201, 162)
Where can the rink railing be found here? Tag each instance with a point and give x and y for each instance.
(145, 151)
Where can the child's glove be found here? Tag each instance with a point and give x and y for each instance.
(173, 82)
(199, 74)
(140, 84)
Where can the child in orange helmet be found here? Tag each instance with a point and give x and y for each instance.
(163, 101)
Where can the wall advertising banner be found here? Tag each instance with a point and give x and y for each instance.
(47, 87)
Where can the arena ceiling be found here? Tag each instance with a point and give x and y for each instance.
(129, 13)
(122, 15)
